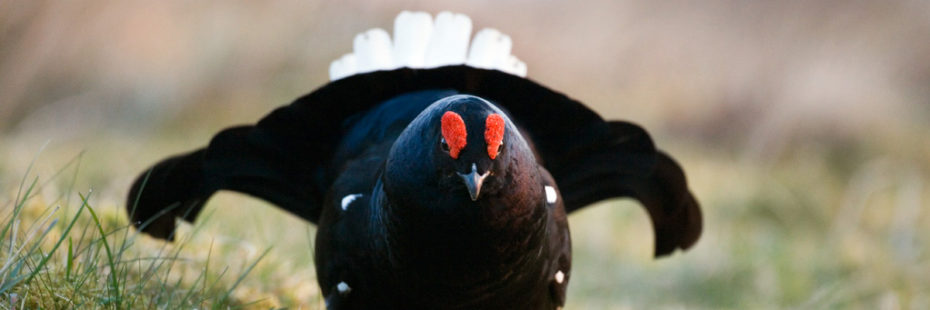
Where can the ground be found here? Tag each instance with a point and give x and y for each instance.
(801, 127)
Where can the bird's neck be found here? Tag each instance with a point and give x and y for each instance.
(466, 248)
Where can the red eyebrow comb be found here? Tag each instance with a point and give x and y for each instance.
(453, 130)
(494, 133)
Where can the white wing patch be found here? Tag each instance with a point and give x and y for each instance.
(551, 196)
(559, 277)
(348, 199)
(343, 288)
(421, 42)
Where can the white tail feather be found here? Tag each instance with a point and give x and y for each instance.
(372, 50)
(512, 65)
(449, 43)
(420, 42)
(343, 67)
(489, 49)
(412, 32)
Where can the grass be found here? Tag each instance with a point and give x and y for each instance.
(91, 259)
(804, 231)
(801, 126)
(795, 236)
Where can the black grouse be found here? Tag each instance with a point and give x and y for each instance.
(434, 185)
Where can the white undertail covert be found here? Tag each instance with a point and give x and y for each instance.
(421, 42)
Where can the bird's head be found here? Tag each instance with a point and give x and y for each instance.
(462, 149)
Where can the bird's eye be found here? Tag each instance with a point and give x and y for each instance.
(500, 147)
(443, 144)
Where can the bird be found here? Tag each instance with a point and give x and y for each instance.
(439, 176)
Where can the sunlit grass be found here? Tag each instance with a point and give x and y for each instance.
(89, 258)
(802, 127)
(795, 235)
(801, 231)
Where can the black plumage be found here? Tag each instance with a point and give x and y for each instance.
(364, 158)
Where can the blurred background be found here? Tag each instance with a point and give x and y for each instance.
(801, 126)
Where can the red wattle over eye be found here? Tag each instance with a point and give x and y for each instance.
(453, 130)
(494, 133)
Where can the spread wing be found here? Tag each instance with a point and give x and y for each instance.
(287, 158)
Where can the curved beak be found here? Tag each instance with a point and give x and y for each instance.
(473, 181)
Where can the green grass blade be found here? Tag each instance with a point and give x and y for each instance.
(113, 288)
(225, 298)
(60, 240)
(18, 207)
(69, 263)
